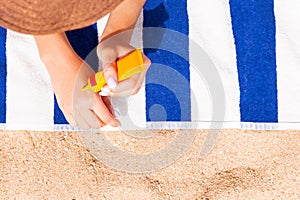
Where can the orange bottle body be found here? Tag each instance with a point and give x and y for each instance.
(127, 66)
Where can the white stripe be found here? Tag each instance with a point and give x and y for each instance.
(101, 23)
(133, 107)
(288, 59)
(210, 27)
(29, 93)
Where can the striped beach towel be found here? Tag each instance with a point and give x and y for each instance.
(236, 63)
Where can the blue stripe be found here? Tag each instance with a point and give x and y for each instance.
(253, 25)
(161, 103)
(83, 42)
(3, 74)
(59, 117)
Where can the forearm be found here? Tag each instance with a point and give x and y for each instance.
(123, 17)
(68, 74)
(59, 57)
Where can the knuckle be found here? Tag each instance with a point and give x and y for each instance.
(84, 126)
(107, 55)
(106, 119)
(147, 62)
(132, 83)
(95, 124)
(136, 91)
(101, 124)
(108, 68)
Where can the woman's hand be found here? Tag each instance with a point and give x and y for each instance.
(115, 42)
(68, 74)
(86, 109)
(108, 51)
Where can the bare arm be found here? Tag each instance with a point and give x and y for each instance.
(61, 61)
(68, 74)
(123, 17)
(66, 70)
(115, 42)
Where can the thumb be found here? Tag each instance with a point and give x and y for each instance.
(111, 75)
(108, 58)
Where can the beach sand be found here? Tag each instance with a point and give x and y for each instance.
(243, 165)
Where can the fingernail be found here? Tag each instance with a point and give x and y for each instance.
(106, 90)
(105, 94)
(111, 83)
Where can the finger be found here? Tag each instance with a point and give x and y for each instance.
(70, 119)
(101, 123)
(111, 75)
(147, 62)
(108, 56)
(92, 119)
(105, 91)
(81, 122)
(103, 112)
(132, 86)
(129, 84)
(140, 82)
(108, 104)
